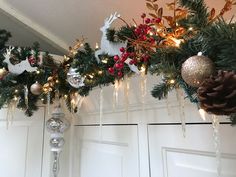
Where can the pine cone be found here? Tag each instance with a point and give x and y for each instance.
(217, 95)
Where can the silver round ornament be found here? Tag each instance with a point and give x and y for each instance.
(74, 78)
(36, 88)
(58, 123)
(57, 142)
(196, 69)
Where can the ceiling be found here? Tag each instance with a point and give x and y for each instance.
(55, 24)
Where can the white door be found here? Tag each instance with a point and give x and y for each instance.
(21, 145)
(108, 152)
(172, 155)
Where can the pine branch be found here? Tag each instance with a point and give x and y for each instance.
(161, 90)
(198, 17)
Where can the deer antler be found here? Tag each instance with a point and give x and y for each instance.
(8, 52)
(112, 17)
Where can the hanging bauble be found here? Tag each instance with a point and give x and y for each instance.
(196, 69)
(58, 123)
(217, 94)
(36, 88)
(74, 78)
(3, 72)
(57, 143)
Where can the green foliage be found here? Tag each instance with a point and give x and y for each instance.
(198, 17)
(161, 90)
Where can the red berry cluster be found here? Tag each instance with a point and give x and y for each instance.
(144, 31)
(119, 62)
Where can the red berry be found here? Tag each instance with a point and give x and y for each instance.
(148, 20)
(120, 74)
(131, 62)
(143, 15)
(158, 20)
(111, 70)
(122, 49)
(117, 66)
(121, 65)
(116, 57)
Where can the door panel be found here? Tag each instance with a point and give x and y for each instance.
(21, 145)
(172, 155)
(110, 151)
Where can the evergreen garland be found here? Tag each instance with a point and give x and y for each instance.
(215, 38)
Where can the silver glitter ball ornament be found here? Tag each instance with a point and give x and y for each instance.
(196, 69)
(58, 123)
(74, 78)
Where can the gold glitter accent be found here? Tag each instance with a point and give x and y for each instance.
(196, 69)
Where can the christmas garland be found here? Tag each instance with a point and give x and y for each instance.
(161, 45)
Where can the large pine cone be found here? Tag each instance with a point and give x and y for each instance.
(217, 95)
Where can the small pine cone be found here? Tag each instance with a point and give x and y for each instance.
(217, 95)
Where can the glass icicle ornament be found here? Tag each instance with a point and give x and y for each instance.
(180, 98)
(101, 114)
(216, 135)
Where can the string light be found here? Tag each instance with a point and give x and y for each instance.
(42, 99)
(65, 96)
(105, 60)
(16, 91)
(15, 98)
(172, 81)
(100, 72)
(96, 46)
(143, 69)
(190, 28)
(151, 33)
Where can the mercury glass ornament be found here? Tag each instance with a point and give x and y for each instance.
(57, 143)
(74, 78)
(196, 69)
(58, 123)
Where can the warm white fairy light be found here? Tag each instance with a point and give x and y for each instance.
(172, 81)
(104, 60)
(15, 98)
(16, 91)
(190, 28)
(96, 46)
(143, 69)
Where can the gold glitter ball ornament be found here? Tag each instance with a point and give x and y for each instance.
(36, 88)
(196, 69)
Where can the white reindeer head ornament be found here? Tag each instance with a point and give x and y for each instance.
(111, 48)
(108, 47)
(17, 68)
